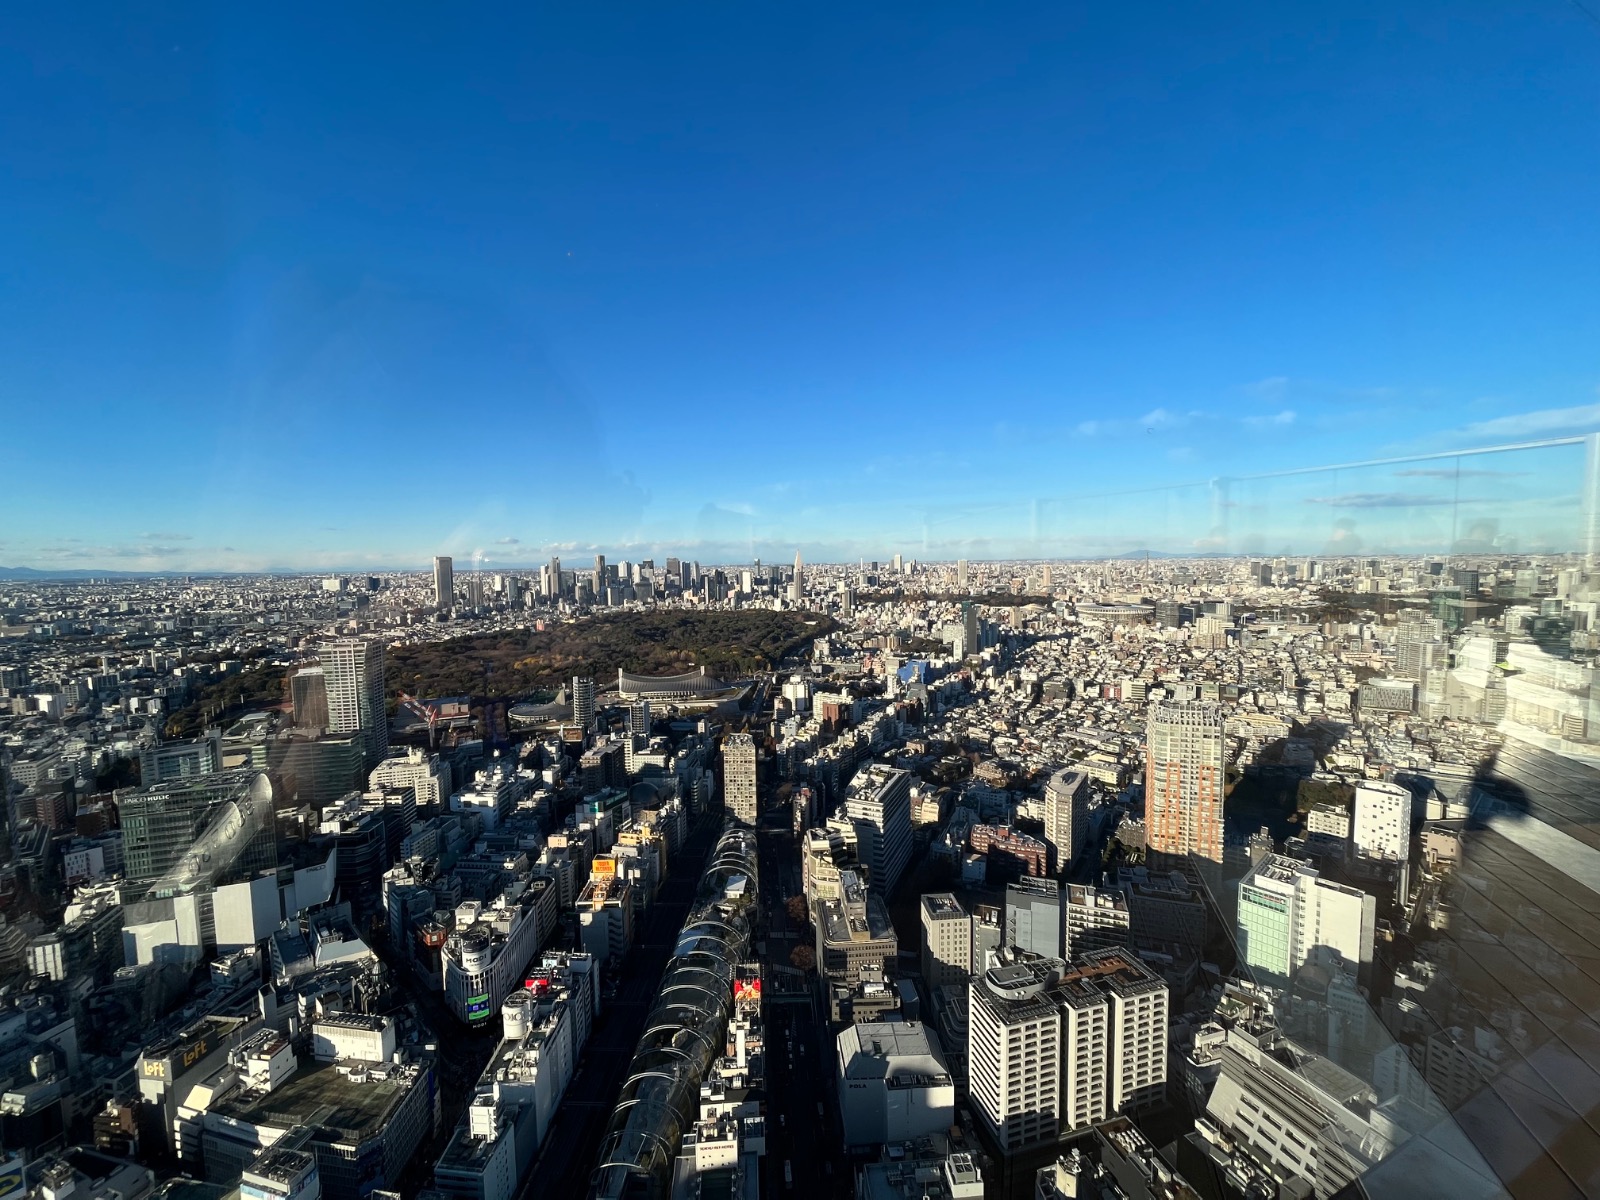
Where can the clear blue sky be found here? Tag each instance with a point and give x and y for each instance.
(333, 285)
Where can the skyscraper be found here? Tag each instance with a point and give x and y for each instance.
(1066, 816)
(444, 582)
(352, 669)
(739, 776)
(639, 718)
(599, 578)
(553, 586)
(583, 701)
(1184, 780)
(797, 587)
(878, 803)
(308, 688)
(961, 573)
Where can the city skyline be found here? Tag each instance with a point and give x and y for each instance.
(665, 602)
(1090, 254)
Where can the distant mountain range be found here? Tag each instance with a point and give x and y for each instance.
(59, 573)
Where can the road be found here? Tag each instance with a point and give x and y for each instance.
(462, 1055)
(802, 1107)
(568, 1157)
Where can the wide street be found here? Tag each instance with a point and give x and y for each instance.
(802, 1109)
(568, 1156)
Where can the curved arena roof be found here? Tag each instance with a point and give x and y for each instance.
(692, 685)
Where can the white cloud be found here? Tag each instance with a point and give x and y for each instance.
(1543, 422)
(1272, 388)
(1461, 473)
(1277, 420)
(1382, 500)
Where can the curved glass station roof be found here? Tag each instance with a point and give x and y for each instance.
(685, 1030)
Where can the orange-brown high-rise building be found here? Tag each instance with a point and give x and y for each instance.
(1184, 780)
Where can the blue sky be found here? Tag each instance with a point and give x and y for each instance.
(345, 286)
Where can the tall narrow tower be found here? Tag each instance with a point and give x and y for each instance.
(353, 678)
(444, 582)
(583, 701)
(797, 587)
(1184, 781)
(739, 777)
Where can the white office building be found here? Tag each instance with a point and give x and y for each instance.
(1382, 827)
(427, 775)
(484, 958)
(1096, 919)
(1287, 912)
(878, 804)
(894, 1085)
(1033, 916)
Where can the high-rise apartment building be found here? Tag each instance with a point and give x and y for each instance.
(639, 718)
(1184, 780)
(352, 669)
(739, 776)
(1382, 826)
(1096, 919)
(1211, 632)
(444, 582)
(946, 940)
(1066, 816)
(427, 775)
(1056, 1046)
(1014, 1053)
(583, 702)
(1287, 912)
(599, 576)
(878, 804)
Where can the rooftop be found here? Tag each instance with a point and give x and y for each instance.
(323, 1094)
